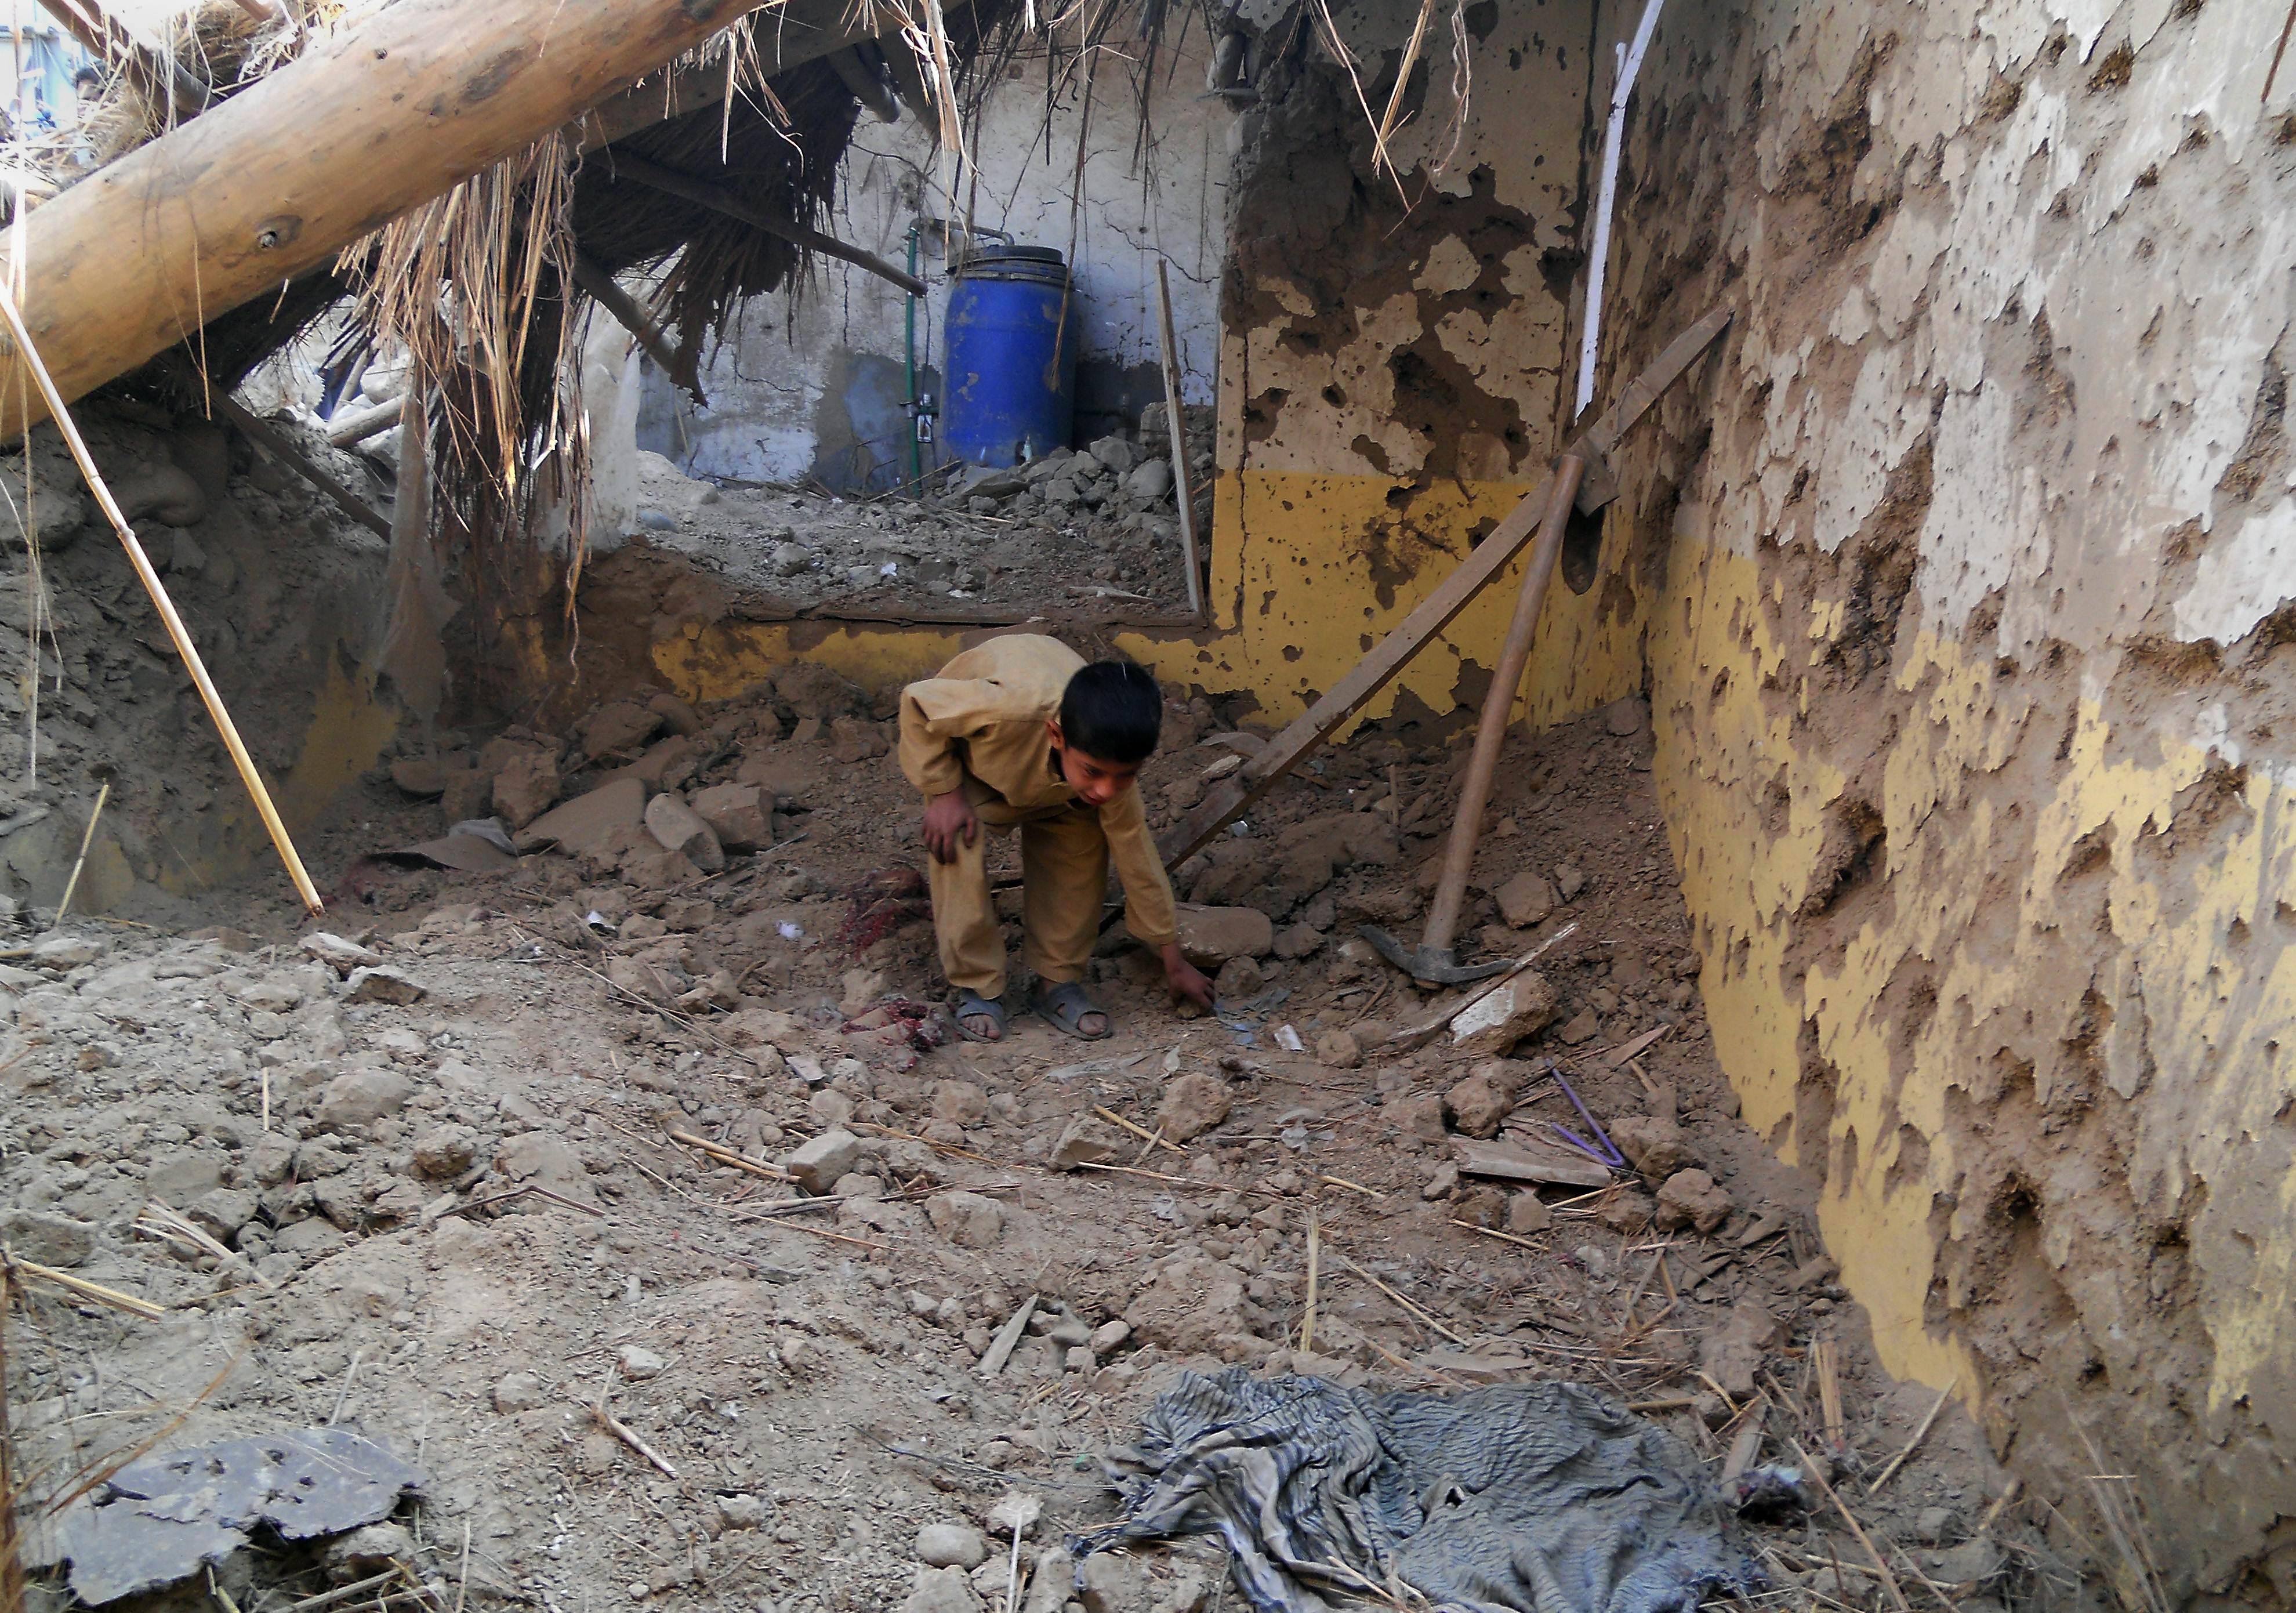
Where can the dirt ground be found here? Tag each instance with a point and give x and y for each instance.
(808, 1377)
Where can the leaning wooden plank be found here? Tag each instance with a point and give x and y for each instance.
(281, 177)
(607, 292)
(1520, 1165)
(1288, 748)
(629, 164)
(274, 443)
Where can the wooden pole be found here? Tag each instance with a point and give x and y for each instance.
(159, 600)
(603, 290)
(346, 432)
(1498, 707)
(1179, 423)
(294, 459)
(1434, 613)
(102, 35)
(256, 191)
(629, 164)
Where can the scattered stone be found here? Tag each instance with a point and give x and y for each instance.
(1107, 1582)
(1210, 936)
(853, 741)
(526, 787)
(446, 1151)
(942, 1590)
(1442, 1183)
(1625, 716)
(1527, 1213)
(1151, 480)
(960, 1102)
(1083, 1141)
(271, 996)
(1481, 1206)
(1193, 1104)
(816, 692)
(1968, 1563)
(1653, 1145)
(968, 1220)
(818, 1164)
(1583, 1026)
(1624, 1211)
(946, 1546)
(743, 1512)
(1525, 900)
(619, 728)
(1420, 1115)
(1299, 941)
(1692, 1199)
(61, 952)
(584, 824)
(675, 715)
(1239, 978)
(1522, 1007)
(376, 984)
(680, 829)
(1337, 1049)
(518, 1392)
(1736, 1351)
(1568, 882)
(636, 1364)
(1481, 1102)
(361, 1097)
(366, 1551)
(45, 1237)
(1110, 1337)
(741, 816)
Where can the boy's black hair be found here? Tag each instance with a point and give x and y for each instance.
(1112, 710)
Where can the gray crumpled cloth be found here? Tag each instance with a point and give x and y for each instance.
(1534, 1498)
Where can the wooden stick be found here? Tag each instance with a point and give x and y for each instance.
(726, 1156)
(1179, 426)
(1899, 1460)
(720, 200)
(1133, 1170)
(1114, 1118)
(823, 1232)
(1831, 1427)
(276, 443)
(86, 839)
(1889, 1580)
(1748, 1444)
(622, 1431)
(1399, 1299)
(1492, 1232)
(166, 606)
(1008, 1338)
(346, 432)
(81, 1286)
(1315, 1263)
(1353, 1187)
(1487, 559)
(607, 292)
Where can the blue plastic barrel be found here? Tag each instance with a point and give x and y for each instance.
(1010, 340)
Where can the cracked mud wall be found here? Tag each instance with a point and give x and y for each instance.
(1393, 355)
(1971, 663)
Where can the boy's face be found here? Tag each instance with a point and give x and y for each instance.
(1095, 782)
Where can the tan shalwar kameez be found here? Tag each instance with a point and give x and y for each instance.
(979, 727)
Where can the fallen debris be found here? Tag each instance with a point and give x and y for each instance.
(1573, 1500)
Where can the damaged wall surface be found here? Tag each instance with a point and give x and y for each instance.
(1968, 615)
(814, 384)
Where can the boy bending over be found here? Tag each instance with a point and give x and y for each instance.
(1021, 733)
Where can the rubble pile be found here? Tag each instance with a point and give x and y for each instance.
(1056, 533)
(613, 1183)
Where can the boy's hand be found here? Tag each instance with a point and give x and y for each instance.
(950, 826)
(1186, 979)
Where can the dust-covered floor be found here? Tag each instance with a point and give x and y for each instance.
(809, 1376)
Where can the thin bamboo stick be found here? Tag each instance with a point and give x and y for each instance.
(159, 600)
(86, 839)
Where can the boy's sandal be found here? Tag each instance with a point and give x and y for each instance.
(1064, 1006)
(971, 1004)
